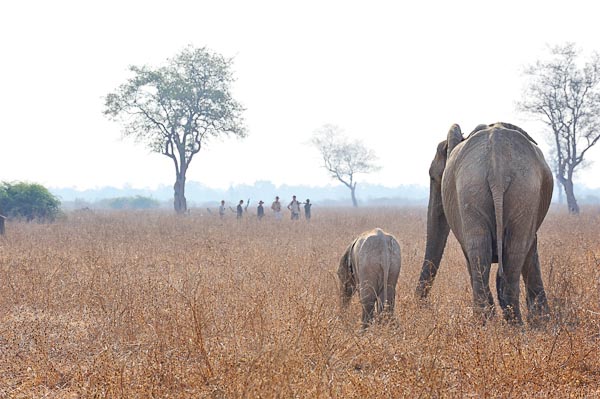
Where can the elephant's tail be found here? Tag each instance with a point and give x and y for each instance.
(386, 269)
(497, 187)
(499, 210)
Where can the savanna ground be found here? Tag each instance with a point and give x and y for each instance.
(155, 305)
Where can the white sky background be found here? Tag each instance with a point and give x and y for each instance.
(395, 74)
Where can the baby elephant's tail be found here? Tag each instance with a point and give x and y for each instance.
(388, 250)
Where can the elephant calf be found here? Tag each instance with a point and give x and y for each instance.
(371, 265)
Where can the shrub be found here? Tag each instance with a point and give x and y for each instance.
(28, 201)
(136, 202)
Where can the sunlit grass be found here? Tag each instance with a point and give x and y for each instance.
(155, 305)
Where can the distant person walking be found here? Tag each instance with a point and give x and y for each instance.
(222, 209)
(260, 211)
(276, 207)
(240, 209)
(294, 207)
(307, 206)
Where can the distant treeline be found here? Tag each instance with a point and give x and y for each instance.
(135, 202)
(200, 195)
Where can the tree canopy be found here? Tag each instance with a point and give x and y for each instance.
(176, 107)
(28, 201)
(566, 97)
(343, 158)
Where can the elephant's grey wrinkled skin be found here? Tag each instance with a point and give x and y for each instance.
(371, 265)
(493, 189)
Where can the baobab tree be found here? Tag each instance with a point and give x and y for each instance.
(343, 158)
(566, 96)
(176, 107)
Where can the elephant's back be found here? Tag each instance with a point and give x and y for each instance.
(513, 153)
(374, 246)
(520, 164)
(496, 157)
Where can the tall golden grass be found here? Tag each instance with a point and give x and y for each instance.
(155, 305)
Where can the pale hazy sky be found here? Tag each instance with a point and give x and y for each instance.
(396, 74)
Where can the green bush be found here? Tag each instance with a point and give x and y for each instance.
(28, 201)
(137, 202)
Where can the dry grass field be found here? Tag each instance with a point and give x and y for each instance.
(141, 305)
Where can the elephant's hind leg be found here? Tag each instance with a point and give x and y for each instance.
(479, 256)
(368, 300)
(537, 303)
(391, 298)
(507, 284)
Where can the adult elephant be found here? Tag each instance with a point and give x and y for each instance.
(493, 189)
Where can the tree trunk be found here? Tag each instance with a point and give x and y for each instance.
(179, 201)
(2, 225)
(571, 200)
(353, 194)
(560, 191)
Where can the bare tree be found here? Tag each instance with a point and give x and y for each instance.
(343, 158)
(177, 107)
(567, 98)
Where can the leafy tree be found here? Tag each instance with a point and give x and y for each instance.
(176, 107)
(28, 201)
(342, 158)
(567, 98)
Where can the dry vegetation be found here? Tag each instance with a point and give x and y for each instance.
(154, 305)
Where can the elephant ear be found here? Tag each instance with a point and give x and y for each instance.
(345, 271)
(479, 128)
(454, 137)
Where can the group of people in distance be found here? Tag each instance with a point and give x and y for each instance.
(293, 206)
